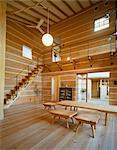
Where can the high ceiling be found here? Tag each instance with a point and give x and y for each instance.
(31, 11)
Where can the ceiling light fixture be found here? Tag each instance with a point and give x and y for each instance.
(47, 38)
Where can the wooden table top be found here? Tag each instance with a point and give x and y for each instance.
(64, 113)
(98, 107)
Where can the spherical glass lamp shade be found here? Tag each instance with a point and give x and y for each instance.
(47, 39)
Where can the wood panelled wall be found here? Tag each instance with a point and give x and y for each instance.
(18, 35)
(77, 33)
(69, 79)
(113, 87)
(65, 80)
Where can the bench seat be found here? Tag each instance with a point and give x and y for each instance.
(91, 119)
(66, 114)
(50, 105)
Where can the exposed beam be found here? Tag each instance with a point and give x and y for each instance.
(19, 20)
(33, 9)
(80, 4)
(50, 11)
(26, 13)
(58, 8)
(91, 2)
(65, 2)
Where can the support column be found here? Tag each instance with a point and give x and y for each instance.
(86, 87)
(2, 54)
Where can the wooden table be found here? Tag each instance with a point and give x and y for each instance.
(66, 114)
(50, 105)
(102, 108)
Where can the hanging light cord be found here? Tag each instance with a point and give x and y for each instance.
(48, 22)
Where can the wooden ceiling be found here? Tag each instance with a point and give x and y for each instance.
(29, 12)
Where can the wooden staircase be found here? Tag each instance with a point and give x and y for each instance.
(14, 93)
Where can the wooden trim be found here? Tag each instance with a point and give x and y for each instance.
(86, 70)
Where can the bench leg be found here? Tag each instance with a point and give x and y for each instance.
(72, 120)
(67, 123)
(54, 107)
(92, 127)
(79, 123)
(95, 126)
(105, 119)
(53, 119)
(70, 107)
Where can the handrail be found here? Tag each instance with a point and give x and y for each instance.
(27, 66)
(28, 69)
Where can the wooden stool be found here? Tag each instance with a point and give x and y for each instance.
(91, 119)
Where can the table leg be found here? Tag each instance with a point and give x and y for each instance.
(92, 127)
(106, 118)
(53, 119)
(72, 120)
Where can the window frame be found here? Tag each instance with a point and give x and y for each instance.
(24, 53)
(94, 28)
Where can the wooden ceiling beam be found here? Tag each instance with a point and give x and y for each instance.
(65, 2)
(80, 4)
(91, 2)
(26, 12)
(58, 8)
(21, 19)
(35, 10)
(52, 14)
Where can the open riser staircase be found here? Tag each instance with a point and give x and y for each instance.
(21, 85)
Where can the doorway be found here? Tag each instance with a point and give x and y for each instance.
(93, 87)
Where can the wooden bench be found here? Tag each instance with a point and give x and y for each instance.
(91, 119)
(64, 114)
(49, 105)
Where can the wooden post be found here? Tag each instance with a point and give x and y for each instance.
(86, 87)
(2, 54)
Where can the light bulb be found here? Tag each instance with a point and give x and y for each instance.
(47, 39)
(68, 58)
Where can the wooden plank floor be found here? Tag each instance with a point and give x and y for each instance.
(29, 127)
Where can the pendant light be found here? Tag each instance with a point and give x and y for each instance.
(69, 58)
(47, 38)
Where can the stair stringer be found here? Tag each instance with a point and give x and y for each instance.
(11, 102)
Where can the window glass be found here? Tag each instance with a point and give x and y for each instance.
(27, 52)
(101, 23)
